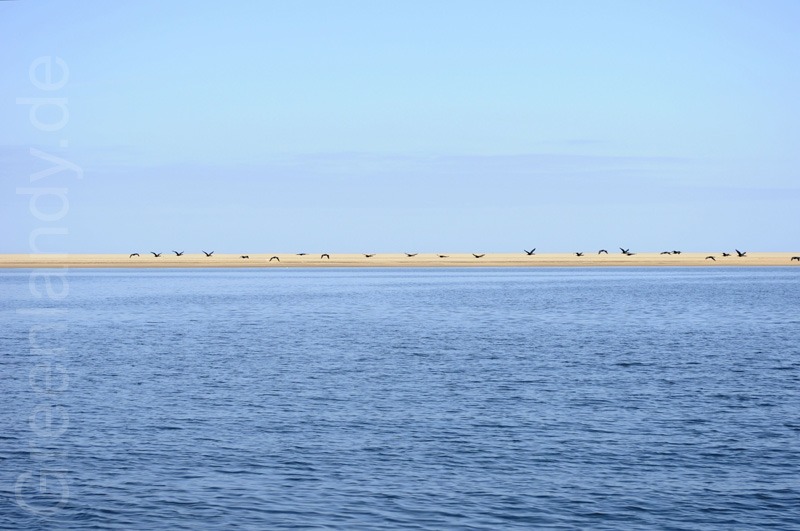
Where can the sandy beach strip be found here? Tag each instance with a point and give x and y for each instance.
(394, 260)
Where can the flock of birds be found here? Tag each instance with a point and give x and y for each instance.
(532, 252)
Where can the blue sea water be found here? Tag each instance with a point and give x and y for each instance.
(401, 399)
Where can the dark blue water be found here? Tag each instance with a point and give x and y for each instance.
(386, 399)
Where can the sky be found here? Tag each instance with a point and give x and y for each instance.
(377, 126)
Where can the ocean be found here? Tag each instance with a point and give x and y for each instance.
(604, 398)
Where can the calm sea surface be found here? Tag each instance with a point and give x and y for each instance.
(385, 399)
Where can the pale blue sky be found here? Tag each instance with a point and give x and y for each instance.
(376, 126)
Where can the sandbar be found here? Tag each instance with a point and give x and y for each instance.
(286, 260)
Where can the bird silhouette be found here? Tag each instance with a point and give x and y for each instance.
(301, 254)
(178, 253)
(246, 256)
(601, 251)
(410, 255)
(665, 252)
(578, 254)
(676, 252)
(208, 254)
(442, 256)
(795, 258)
(133, 254)
(624, 251)
(726, 254)
(740, 253)
(478, 255)
(530, 253)
(155, 254)
(711, 258)
(325, 255)
(274, 258)
(369, 255)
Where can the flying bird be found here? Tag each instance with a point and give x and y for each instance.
(208, 254)
(726, 254)
(369, 255)
(274, 258)
(740, 253)
(155, 254)
(676, 252)
(578, 254)
(442, 256)
(711, 258)
(601, 251)
(410, 255)
(665, 252)
(178, 253)
(133, 254)
(478, 255)
(325, 255)
(246, 256)
(624, 251)
(795, 258)
(530, 253)
(301, 254)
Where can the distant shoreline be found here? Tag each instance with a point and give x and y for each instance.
(147, 261)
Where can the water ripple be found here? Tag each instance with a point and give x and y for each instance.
(481, 399)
